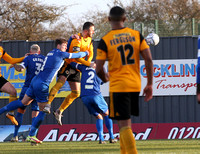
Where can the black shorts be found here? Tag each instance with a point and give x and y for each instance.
(123, 105)
(70, 73)
(2, 81)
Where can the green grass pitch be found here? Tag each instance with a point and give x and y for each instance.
(188, 146)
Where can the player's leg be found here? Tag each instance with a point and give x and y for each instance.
(120, 110)
(19, 115)
(109, 126)
(35, 111)
(89, 102)
(16, 104)
(75, 93)
(74, 82)
(62, 77)
(99, 126)
(126, 135)
(102, 107)
(41, 93)
(19, 118)
(53, 92)
(7, 87)
(122, 147)
(36, 124)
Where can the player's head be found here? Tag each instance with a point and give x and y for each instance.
(61, 44)
(117, 15)
(35, 49)
(88, 29)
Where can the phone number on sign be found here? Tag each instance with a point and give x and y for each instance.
(184, 133)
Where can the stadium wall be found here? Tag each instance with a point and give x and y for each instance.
(161, 109)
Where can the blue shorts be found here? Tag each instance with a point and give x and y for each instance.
(38, 91)
(34, 105)
(95, 104)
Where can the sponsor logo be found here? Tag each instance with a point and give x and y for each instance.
(73, 135)
(171, 70)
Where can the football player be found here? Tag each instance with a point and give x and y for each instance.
(122, 47)
(94, 101)
(32, 64)
(6, 86)
(39, 86)
(66, 73)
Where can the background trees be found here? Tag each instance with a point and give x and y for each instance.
(33, 21)
(25, 20)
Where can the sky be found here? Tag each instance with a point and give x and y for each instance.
(78, 7)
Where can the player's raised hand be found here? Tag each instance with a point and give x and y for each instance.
(148, 93)
(27, 54)
(75, 36)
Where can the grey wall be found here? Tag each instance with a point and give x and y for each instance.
(161, 109)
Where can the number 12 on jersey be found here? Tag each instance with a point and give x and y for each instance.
(126, 59)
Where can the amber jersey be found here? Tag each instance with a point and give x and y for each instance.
(122, 48)
(8, 58)
(83, 44)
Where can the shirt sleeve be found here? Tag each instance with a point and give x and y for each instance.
(100, 82)
(101, 50)
(11, 60)
(90, 56)
(76, 45)
(84, 62)
(74, 55)
(143, 43)
(76, 66)
(2, 50)
(24, 63)
(69, 43)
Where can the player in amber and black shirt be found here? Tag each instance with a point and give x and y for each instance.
(6, 86)
(66, 73)
(122, 47)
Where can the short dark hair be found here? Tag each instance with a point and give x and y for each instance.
(87, 25)
(117, 13)
(60, 41)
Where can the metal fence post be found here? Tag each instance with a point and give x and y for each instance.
(133, 25)
(156, 26)
(193, 26)
(142, 28)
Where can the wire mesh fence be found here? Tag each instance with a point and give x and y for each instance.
(188, 27)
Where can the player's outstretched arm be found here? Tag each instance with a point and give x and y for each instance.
(84, 62)
(148, 90)
(101, 72)
(18, 68)
(11, 60)
(77, 55)
(74, 65)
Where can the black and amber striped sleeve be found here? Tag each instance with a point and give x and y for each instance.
(102, 50)
(143, 43)
(2, 51)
